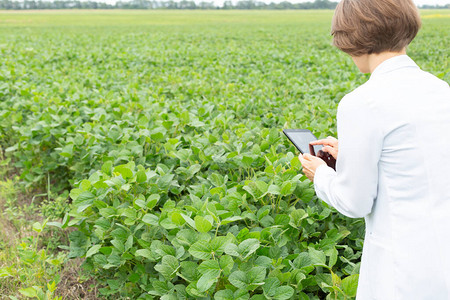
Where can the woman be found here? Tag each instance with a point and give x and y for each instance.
(393, 160)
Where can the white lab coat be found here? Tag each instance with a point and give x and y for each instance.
(393, 168)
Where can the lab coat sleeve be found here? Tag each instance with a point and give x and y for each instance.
(352, 188)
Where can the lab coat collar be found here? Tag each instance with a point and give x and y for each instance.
(392, 64)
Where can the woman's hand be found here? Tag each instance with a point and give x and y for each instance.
(310, 164)
(330, 145)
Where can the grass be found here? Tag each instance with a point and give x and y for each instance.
(108, 18)
(25, 255)
(94, 18)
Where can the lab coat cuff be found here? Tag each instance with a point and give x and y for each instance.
(322, 177)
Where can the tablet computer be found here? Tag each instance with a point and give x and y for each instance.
(301, 139)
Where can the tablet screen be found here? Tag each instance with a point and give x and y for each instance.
(301, 139)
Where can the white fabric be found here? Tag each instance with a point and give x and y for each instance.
(393, 168)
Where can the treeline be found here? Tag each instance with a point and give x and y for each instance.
(425, 6)
(170, 4)
(145, 4)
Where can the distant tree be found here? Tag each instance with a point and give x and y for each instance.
(227, 5)
(187, 5)
(206, 5)
(245, 4)
(427, 6)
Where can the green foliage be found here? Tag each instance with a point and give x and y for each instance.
(239, 243)
(55, 208)
(36, 266)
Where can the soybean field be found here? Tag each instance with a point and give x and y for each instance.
(142, 154)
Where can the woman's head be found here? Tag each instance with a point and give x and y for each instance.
(363, 27)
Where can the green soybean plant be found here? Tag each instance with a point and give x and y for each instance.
(217, 242)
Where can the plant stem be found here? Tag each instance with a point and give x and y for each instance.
(217, 229)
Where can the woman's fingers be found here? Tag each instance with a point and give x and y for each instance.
(310, 164)
(318, 142)
(326, 142)
(330, 145)
(302, 159)
(307, 156)
(332, 150)
(305, 159)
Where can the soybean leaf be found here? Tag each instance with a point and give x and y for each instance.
(248, 247)
(189, 271)
(168, 267)
(124, 170)
(226, 264)
(238, 279)
(256, 275)
(270, 286)
(200, 250)
(218, 244)
(93, 250)
(350, 284)
(283, 293)
(202, 224)
(318, 258)
(231, 249)
(144, 253)
(241, 294)
(209, 267)
(205, 282)
(150, 219)
(333, 257)
(224, 295)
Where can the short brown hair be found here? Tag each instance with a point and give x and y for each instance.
(373, 26)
